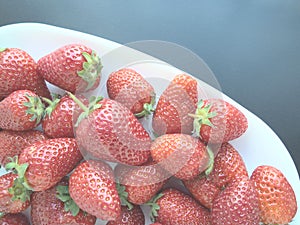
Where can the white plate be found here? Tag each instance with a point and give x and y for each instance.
(259, 145)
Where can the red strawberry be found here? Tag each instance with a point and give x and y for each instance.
(134, 216)
(132, 90)
(237, 204)
(111, 132)
(217, 121)
(21, 110)
(18, 72)
(176, 208)
(13, 142)
(14, 219)
(277, 200)
(181, 155)
(48, 209)
(155, 224)
(93, 189)
(72, 67)
(8, 204)
(176, 102)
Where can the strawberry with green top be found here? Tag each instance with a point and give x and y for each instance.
(73, 67)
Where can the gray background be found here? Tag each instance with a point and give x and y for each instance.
(253, 47)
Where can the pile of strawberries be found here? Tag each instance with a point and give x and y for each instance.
(74, 159)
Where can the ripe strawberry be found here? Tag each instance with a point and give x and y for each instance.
(155, 224)
(132, 90)
(277, 200)
(48, 209)
(237, 204)
(134, 216)
(18, 72)
(21, 110)
(110, 131)
(72, 67)
(176, 102)
(14, 219)
(13, 142)
(93, 189)
(217, 121)
(181, 155)
(8, 204)
(176, 208)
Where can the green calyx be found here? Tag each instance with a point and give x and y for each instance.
(154, 206)
(2, 49)
(148, 108)
(69, 204)
(202, 116)
(51, 104)
(124, 196)
(35, 107)
(91, 69)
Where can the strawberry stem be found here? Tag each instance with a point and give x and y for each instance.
(69, 204)
(51, 105)
(124, 196)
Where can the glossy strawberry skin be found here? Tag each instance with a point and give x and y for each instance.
(180, 154)
(131, 89)
(176, 102)
(113, 133)
(18, 72)
(7, 205)
(49, 161)
(12, 143)
(177, 208)
(47, 209)
(61, 68)
(277, 200)
(14, 219)
(134, 216)
(92, 187)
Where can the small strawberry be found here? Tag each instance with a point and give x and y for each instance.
(132, 90)
(54, 206)
(173, 207)
(93, 189)
(181, 155)
(14, 219)
(237, 204)
(72, 67)
(217, 121)
(18, 72)
(21, 110)
(134, 216)
(277, 200)
(174, 106)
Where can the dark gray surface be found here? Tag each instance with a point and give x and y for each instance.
(253, 47)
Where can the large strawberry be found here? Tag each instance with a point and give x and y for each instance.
(21, 110)
(174, 106)
(14, 219)
(181, 154)
(13, 142)
(173, 207)
(73, 67)
(132, 90)
(18, 72)
(54, 206)
(237, 204)
(93, 189)
(217, 121)
(134, 216)
(277, 200)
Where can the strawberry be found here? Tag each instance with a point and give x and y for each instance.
(217, 121)
(237, 204)
(9, 204)
(173, 207)
(132, 90)
(176, 102)
(181, 155)
(134, 216)
(21, 110)
(18, 72)
(72, 67)
(13, 142)
(108, 130)
(93, 189)
(48, 209)
(14, 219)
(277, 200)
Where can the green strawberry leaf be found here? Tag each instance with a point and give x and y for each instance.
(123, 196)
(51, 104)
(35, 107)
(154, 206)
(148, 108)
(69, 204)
(2, 49)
